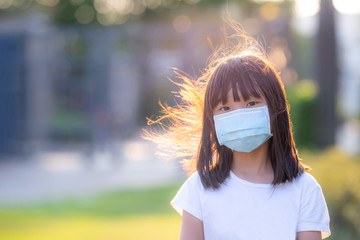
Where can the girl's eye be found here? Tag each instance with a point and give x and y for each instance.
(251, 104)
(225, 108)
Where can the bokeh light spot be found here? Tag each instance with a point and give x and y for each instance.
(84, 14)
(182, 23)
(5, 4)
(20, 3)
(138, 9)
(101, 6)
(252, 25)
(289, 76)
(123, 7)
(307, 89)
(48, 3)
(269, 11)
(278, 57)
(106, 19)
(152, 4)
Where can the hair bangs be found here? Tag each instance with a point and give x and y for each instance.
(248, 86)
(238, 75)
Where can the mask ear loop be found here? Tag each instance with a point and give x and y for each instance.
(282, 110)
(273, 116)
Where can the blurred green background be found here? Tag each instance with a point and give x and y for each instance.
(79, 77)
(146, 213)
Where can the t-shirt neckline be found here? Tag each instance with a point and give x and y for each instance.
(251, 184)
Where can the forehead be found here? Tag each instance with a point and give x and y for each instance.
(236, 81)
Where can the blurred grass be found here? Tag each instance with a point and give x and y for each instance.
(147, 214)
(132, 214)
(339, 176)
(163, 226)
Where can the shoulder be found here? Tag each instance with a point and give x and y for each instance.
(188, 197)
(194, 181)
(194, 177)
(306, 180)
(307, 186)
(191, 186)
(313, 213)
(302, 185)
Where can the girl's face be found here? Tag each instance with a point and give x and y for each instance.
(232, 105)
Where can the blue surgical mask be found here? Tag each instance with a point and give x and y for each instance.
(243, 130)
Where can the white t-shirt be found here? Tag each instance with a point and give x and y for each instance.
(244, 210)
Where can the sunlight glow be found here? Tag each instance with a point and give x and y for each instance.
(347, 6)
(306, 8)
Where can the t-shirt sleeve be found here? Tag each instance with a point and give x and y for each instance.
(314, 215)
(188, 197)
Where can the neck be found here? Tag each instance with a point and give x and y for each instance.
(254, 166)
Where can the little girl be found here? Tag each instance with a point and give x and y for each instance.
(249, 183)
